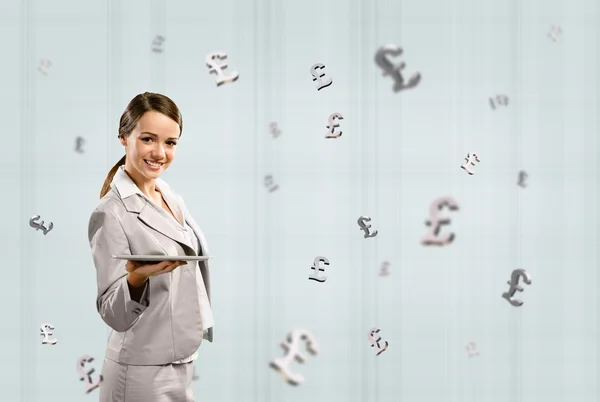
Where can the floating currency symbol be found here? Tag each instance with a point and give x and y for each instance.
(275, 132)
(46, 331)
(44, 65)
(332, 126)
(318, 76)
(269, 183)
(522, 176)
(554, 32)
(78, 143)
(291, 347)
(501, 99)
(435, 222)
(472, 349)
(315, 275)
(157, 44)
(211, 62)
(38, 226)
(384, 269)
(86, 376)
(363, 226)
(395, 71)
(514, 286)
(373, 341)
(469, 161)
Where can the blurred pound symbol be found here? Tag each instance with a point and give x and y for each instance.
(384, 269)
(269, 183)
(86, 376)
(78, 144)
(472, 349)
(291, 347)
(211, 63)
(395, 71)
(46, 331)
(514, 286)
(469, 161)
(275, 132)
(318, 76)
(363, 226)
(315, 275)
(374, 341)
(44, 65)
(435, 222)
(332, 126)
(157, 44)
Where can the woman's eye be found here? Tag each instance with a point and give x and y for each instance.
(172, 143)
(147, 138)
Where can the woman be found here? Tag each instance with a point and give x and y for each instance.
(159, 313)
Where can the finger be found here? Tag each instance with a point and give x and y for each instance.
(167, 269)
(132, 265)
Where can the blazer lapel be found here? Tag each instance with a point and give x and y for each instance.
(154, 219)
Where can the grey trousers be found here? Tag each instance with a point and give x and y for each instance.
(168, 383)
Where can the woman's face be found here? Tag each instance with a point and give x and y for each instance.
(151, 146)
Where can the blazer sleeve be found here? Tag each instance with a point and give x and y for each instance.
(107, 238)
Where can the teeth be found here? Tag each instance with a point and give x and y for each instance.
(152, 163)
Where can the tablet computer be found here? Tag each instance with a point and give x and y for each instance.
(159, 257)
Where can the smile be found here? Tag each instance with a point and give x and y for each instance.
(153, 164)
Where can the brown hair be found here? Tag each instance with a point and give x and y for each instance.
(138, 106)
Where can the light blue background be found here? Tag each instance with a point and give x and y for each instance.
(398, 152)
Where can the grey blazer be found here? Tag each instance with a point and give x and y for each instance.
(166, 326)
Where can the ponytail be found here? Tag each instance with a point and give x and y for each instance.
(110, 176)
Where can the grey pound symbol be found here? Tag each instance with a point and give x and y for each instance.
(469, 161)
(435, 222)
(331, 133)
(269, 183)
(292, 348)
(316, 267)
(318, 76)
(514, 286)
(211, 63)
(395, 71)
(46, 332)
(373, 341)
(363, 226)
(86, 376)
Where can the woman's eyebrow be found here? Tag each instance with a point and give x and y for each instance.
(156, 135)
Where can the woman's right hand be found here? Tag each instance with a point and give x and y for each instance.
(138, 271)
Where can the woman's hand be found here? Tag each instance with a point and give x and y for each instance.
(138, 271)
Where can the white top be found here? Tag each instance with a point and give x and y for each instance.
(206, 315)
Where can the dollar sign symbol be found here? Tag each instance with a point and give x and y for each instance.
(363, 226)
(86, 376)
(514, 286)
(373, 341)
(318, 76)
(46, 331)
(332, 126)
(291, 347)
(435, 222)
(395, 71)
(315, 275)
(218, 68)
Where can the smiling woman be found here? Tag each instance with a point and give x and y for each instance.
(151, 118)
(159, 312)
